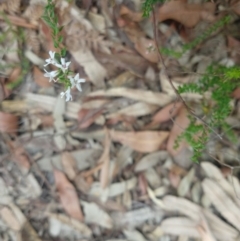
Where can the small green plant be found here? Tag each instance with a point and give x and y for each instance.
(11, 35)
(147, 6)
(63, 74)
(207, 33)
(52, 20)
(24, 63)
(219, 82)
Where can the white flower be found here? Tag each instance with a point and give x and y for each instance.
(64, 66)
(67, 93)
(76, 81)
(51, 60)
(51, 75)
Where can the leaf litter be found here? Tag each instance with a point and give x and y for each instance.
(104, 165)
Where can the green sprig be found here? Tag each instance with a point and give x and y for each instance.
(220, 81)
(147, 6)
(51, 18)
(207, 33)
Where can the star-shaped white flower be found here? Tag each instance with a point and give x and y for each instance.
(67, 93)
(64, 65)
(51, 75)
(51, 60)
(76, 81)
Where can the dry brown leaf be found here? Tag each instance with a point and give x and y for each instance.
(180, 226)
(150, 160)
(87, 117)
(142, 184)
(19, 21)
(94, 70)
(28, 233)
(137, 217)
(124, 79)
(20, 156)
(115, 189)
(133, 235)
(68, 196)
(123, 158)
(233, 45)
(183, 226)
(236, 93)
(153, 178)
(15, 74)
(94, 103)
(196, 192)
(33, 42)
(82, 184)
(214, 173)
(174, 179)
(3, 7)
(46, 120)
(105, 159)
(69, 165)
(65, 227)
(185, 13)
(10, 219)
(133, 16)
(34, 12)
(159, 99)
(13, 6)
(126, 60)
(180, 124)
(39, 78)
(4, 92)
(157, 201)
(143, 141)
(59, 124)
(185, 183)
(98, 22)
(204, 230)
(147, 48)
(8, 122)
(236, 8)
(45, 30)
(93, 214)
(222, 202)
(156, 234)
(137, 109)
(220, 229)
(166, 113)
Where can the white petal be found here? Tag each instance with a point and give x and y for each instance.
(62, 94)
(63, 61)
(68, 94)
(67, 64)
(76, 76)
(79, 87)
(53, 73)
(52, 54)
(58, 65)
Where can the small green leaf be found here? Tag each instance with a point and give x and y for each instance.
(55, 45)
(60, 39)
(63, 52)
(60, 29)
